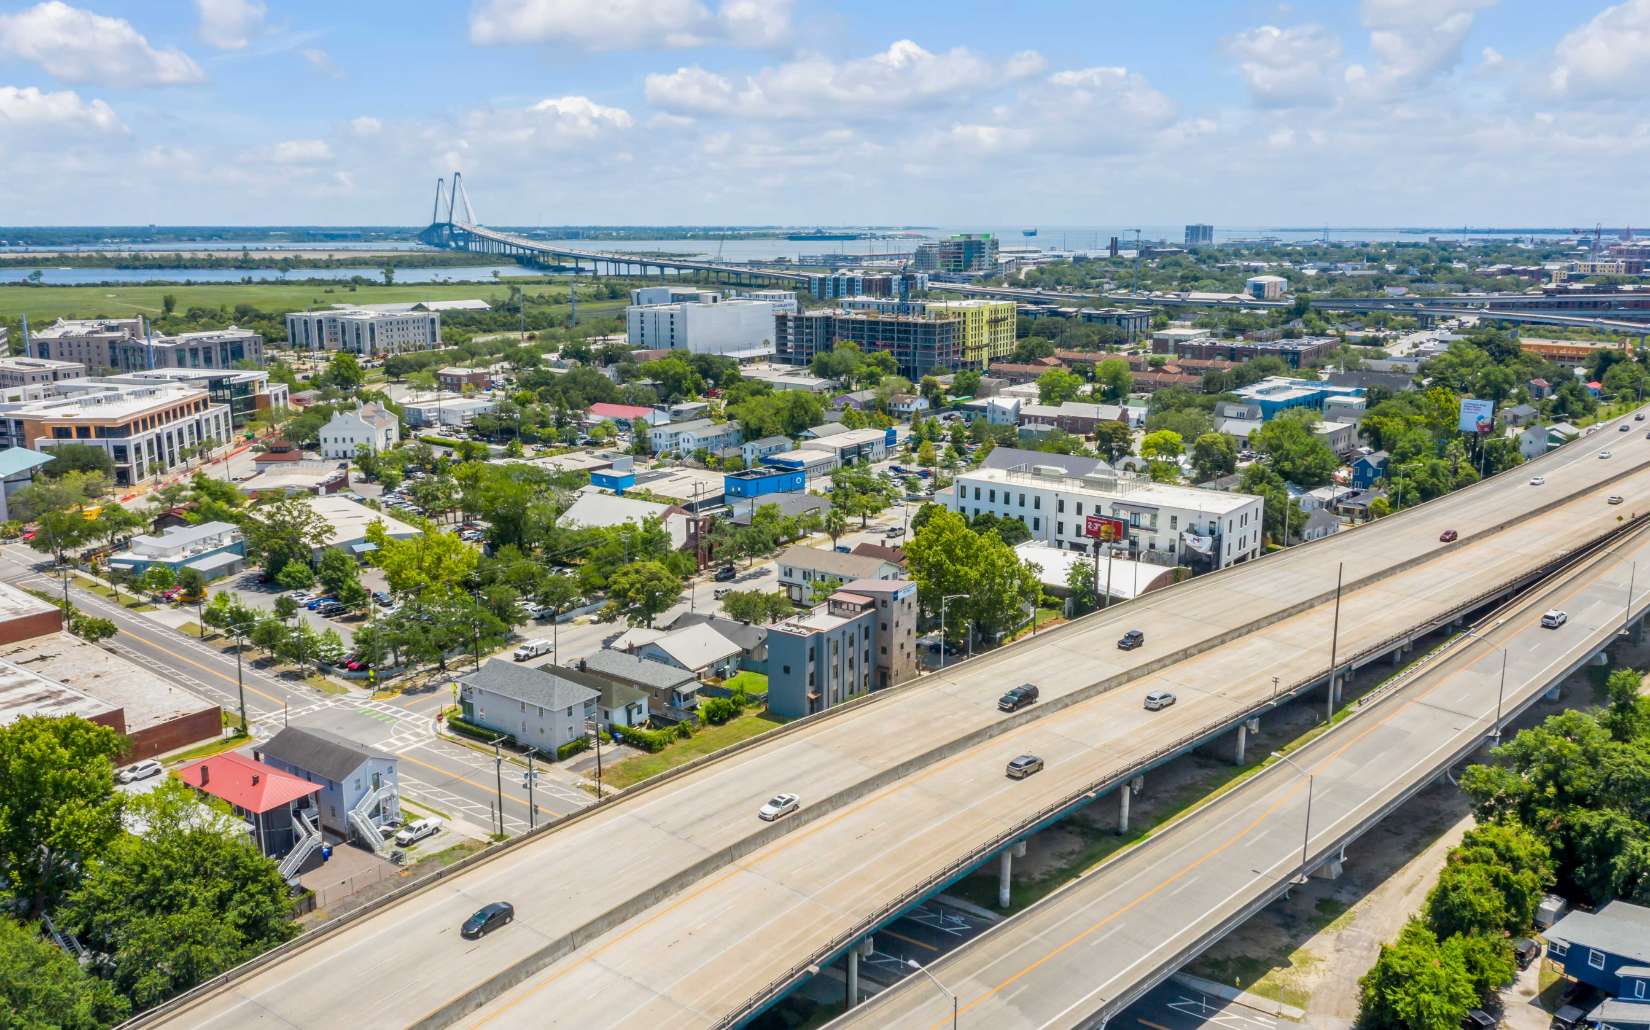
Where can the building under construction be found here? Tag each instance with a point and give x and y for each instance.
(924, 338)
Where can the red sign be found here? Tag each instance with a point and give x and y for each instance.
(1106, 530)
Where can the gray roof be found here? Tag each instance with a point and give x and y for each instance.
(746, 636)
(770, 441)
(1074, 465)
(789, 504)
(318, 751)
(617, 695)
(628, 668)
(548, 687)
(1621, 1012)
(832, 563)
(828, 429)
(1397, 382)
(1618, 928)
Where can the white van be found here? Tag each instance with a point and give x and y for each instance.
(532, 649)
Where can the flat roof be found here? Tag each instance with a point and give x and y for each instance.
(16, 603)
(105, 680)
(349, 520)
(1127, 489)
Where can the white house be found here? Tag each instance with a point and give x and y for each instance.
(697, 649)
(541, 708)
(370, 425)
(687, 437)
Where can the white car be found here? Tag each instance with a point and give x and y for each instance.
(1537, 480)
(140, 771)
(532, 649)
(1158, 700)
(417, 830)
(779, 806)
(1603, 454)
(1553, 618)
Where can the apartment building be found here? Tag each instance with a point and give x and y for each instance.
(1164, 523)
(863, 638)
(26, 371)
(1200, 235)
(838, 285)
(960, 254)
(731, 327)
(144, 428)
(924, 338)
(364, 332)
(1295, 353)
(91, 342)
(245, 392)
(684, 438)
(127, 345)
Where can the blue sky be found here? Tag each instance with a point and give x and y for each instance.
(1364, 112)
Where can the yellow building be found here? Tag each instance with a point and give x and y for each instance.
(987, 328)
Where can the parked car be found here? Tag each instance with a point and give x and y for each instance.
(1603, 454)
(1448, 536)
(531, 649)
(332, 609)
(1130, 640)
(487, 919)
(1478, 1019)
(778, 806)
(843, 549)
(1526, 951)
(1018, 698)
(317, 602)
(726, 574)
(536, 611)
(1159, 699)
(1639, 417)
(383, 599)
(722, 592)
(893, 532)
(1021, 766)
(417, 830)
(140, 771)
(1553, 618)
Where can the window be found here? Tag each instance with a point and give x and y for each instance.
(1059, 529)
(1060, 504)
(1638, 988)
(1174, 521)
(1595, 958)
(1037, 503)
(1036, 525)
(1080, 508)
(991, 496)
(1022, 500)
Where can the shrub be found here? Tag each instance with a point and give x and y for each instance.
(572, 747)
(469, 729)
(718, 710)
(648, 740)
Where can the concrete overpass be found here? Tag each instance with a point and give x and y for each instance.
(1084, 954)
(674, 906)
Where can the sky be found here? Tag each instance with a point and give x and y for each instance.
(827, 112)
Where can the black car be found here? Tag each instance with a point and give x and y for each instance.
(1018, 698)
(332, 609)
(1526, 951)
(725, 574)
(488, 919)
(1130, 640)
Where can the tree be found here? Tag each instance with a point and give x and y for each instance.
(432, 564)
(282, 531)
(639, 591)
(90, 628)
(337, 571)
(1466, 901)
(836, 523)
(1294, 452)
(1162, 450)
(1056, 386)
(1213, 455)
(1415, 983)
(159, 579)
(193, 583)
(757, 606)
(42, 987)
(295, 575)
(1628, 714)
(185, 901)
(58, 804)
(1080, 581)
(344, 372)
(1114, 380)
(925, 454)
(1113, 440)
(79, 457)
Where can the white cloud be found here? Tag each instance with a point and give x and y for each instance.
(901, 77)
(616, 24)
(1413, 42)
(33, 111)
(229, 24)
(322, 62)
(1285, 67)
(365, 125)
(1607, 57)
(299, 152)
(79, 46)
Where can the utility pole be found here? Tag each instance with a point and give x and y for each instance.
(532, 775)
(498, 772)
(1334, 640)
(1499, 694)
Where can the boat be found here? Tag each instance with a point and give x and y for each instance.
(1028, 232)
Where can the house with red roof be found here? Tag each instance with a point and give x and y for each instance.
(602, 411)
(267, 798)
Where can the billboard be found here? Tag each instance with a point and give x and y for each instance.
(1477, 416)
(1106, 530)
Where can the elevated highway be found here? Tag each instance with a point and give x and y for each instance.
(673, 906)
(1084, 954)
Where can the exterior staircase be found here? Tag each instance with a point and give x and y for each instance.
(360, 817)
(309, 838)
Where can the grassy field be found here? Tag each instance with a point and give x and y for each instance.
(704, 741)
(45, 303)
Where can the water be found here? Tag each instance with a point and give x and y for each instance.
(55, 276)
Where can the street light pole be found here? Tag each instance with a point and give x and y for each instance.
(943, 602)
(1499, 694)
(1334, 640)
(532, 809)
(1632, 581)
(914, 964)
(498, 771)
(1306, 830)
(240, 684)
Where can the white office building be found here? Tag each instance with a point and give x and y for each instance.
(1165, 523)
(732, 327)
(370, 426)
(363, 332)
(782, 300)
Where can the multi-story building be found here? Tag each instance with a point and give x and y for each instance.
(1164, 523)
(962, 253)
(782, 300)
(896, 286)
(365, 332)
(1276, 393)
(541, 708)
(805, 570)
(863, 638)
(127, 345)
(935, 338)
(144, 428)
(370, 425)
(245, 392)
(1200, 235)
(648, 295)
(1306, 350)
(26, 371)
(733, 327)
(1135, 322)
(701, 434)
(1266, 287)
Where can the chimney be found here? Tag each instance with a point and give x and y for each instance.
(254, 779)
(206, 774)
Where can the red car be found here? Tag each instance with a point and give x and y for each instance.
(1448, 536)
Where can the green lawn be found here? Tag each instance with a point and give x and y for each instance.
(208, 749)
(45, 303)
(705, 740)
(128, 599)
(749, 682)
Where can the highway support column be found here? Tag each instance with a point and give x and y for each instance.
(1123, 792)
(862, 947)
(1245, 728)
(1005, 871)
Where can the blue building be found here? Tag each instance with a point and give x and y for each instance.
(215, 549)
(1276, 394)
(616, 480)
(758, 482)
(1610, 950)
(1369, 469)
(360, 786)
